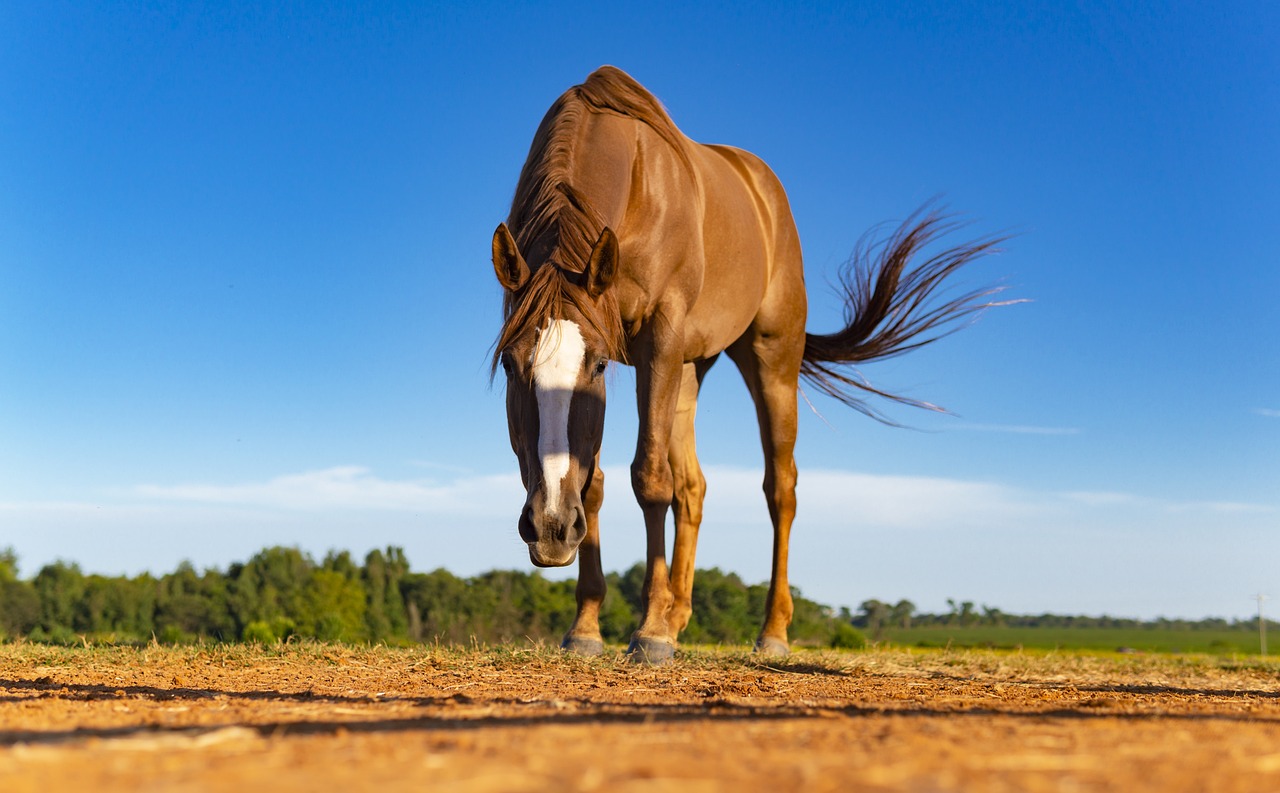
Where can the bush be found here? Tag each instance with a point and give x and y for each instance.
(172, 634)
(846, 637)
(58, 635)
(264, 632)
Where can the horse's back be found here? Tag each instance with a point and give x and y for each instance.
(751, 248)
(752, 186)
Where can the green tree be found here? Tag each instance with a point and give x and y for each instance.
(443, 604)
(190, 606)
(386, 614)
(8, 565)
(812, 622)
(619, 618)
(725, 610)
(60, 587)
(116, 607)
(335, 603)
(19, 603)
(873, 615)
(270, 587)
(631, 587)
(962, 614)
(902, 612)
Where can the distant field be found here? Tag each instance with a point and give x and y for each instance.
(1212, 642)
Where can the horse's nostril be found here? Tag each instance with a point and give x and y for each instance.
(528, 532)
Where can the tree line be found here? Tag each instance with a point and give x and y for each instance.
(284, 592)
(874, 616)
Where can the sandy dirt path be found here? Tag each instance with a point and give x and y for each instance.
(316, 717)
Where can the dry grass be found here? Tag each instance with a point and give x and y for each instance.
(305, 715)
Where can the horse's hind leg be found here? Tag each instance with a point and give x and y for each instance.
(770, 364)
(584, 637)
(690, 487)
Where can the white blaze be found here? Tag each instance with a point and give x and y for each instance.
(557, 361)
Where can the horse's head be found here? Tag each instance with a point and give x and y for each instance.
(555, 345)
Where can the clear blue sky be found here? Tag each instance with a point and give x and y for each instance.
(245, 296)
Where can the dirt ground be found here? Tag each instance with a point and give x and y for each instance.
(316, 717)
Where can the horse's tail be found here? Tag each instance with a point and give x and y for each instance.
(889, 308)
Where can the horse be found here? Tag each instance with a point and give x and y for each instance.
(629, 242)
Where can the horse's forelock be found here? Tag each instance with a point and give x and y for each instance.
(543, 299)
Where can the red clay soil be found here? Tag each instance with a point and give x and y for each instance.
(317, 717)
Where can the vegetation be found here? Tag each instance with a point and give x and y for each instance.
(967, 626)
(282, 593)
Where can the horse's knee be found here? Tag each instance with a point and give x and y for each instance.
(652, 482)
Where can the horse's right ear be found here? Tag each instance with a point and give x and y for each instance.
(507, 261)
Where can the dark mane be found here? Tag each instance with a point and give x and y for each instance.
(544, 297)
(553, 222)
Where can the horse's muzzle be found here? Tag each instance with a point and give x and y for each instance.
(553, 539)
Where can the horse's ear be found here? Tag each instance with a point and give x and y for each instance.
(603, 265)
(507, 261)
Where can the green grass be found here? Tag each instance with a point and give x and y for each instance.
(1152, 640)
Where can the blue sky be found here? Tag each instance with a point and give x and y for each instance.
(245, 296)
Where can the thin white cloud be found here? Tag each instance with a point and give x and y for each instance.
(348, 487)
(1221, 507)
(1103, 499)
(1268, 412)
(733, 496)
(848, 497)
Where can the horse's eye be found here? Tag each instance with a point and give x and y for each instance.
(506, 363)
(601, 365)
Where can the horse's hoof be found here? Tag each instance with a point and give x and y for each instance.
(582, 645)
(644, 650)
(771, 647)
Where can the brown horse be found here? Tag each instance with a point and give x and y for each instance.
(629, 242)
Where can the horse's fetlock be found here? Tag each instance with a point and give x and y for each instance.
(679, 615)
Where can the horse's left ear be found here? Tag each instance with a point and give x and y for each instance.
(603, 264)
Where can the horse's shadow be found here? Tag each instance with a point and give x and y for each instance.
(1128, 688)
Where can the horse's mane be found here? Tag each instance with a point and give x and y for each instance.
(550, 219)
(553, 222)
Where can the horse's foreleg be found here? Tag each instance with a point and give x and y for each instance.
(658, 374)
(690, 488)
(584, 636)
